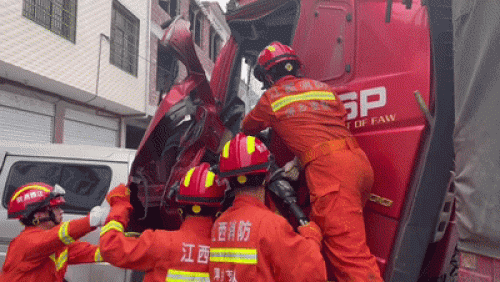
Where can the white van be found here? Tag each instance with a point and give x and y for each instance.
(86, 172)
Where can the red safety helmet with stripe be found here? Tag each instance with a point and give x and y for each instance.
(244, 155)
(200, 186)
(33, 196)
(274, 54)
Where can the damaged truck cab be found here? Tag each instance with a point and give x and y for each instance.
(391, 64)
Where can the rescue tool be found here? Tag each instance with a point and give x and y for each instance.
(282, 190)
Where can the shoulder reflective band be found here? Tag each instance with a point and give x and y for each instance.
(233, 255)
(97, 255)
(64, 234)
(183, 276)
(112, 225)
(307, 96)
(132, 234)
(61, 260)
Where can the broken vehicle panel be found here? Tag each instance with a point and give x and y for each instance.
(396, 92)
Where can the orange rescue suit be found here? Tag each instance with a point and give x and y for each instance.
(310, 119)
(44, 255)
(251, 243)
(180, 255)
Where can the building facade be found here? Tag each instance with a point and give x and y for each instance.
(92, 72)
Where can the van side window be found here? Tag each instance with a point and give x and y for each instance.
(85, 185)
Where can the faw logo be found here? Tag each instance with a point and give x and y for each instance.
(358, 107)
(369, 99)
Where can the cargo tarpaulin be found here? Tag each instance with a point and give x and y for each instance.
(477, 124)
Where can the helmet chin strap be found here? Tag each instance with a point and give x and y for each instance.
(51, 217)
(268, 81)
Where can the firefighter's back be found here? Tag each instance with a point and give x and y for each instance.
(251, 243)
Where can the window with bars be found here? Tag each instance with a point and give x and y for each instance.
(195, 18)
(167, 69)
(197, 28)
(169, 6)
(58, 16)
(215, 44)
(124, 39)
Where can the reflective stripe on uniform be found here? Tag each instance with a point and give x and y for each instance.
(61, 260)
(233, 255)
(97, 255)
(64, 234)
(182, 276)
(112, 225)
(307, 96)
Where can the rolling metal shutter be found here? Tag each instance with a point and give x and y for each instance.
(25, 119)
(85, 129)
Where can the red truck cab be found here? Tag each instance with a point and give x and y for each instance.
(381, 57)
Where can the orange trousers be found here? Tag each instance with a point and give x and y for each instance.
(340, 184)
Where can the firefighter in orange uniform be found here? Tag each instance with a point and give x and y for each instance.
(310, 119)
(180, 255)
(249, 241)
(45, 248)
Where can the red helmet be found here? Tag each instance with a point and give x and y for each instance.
(244, 155)
(33, 196)
(200, 186)
(274, 54)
